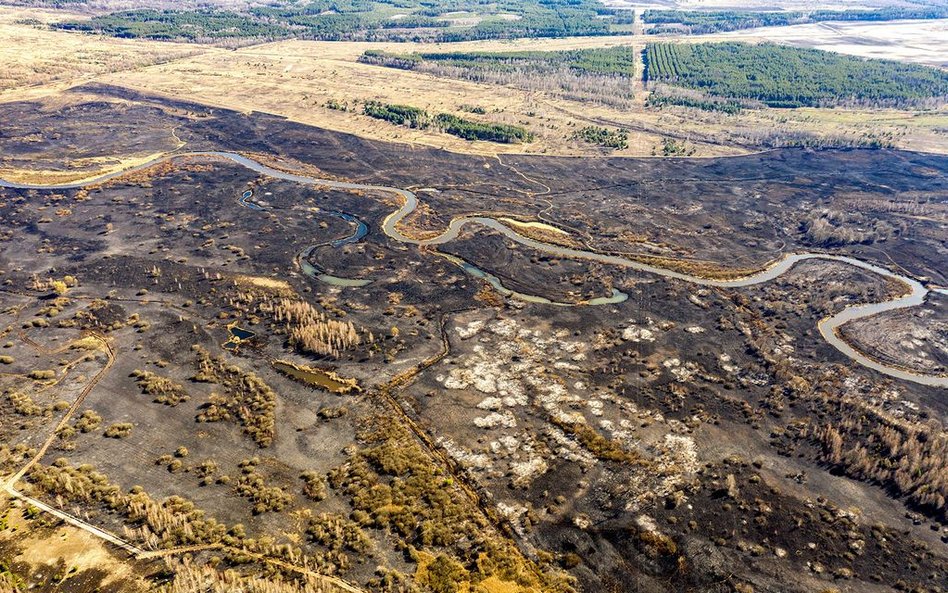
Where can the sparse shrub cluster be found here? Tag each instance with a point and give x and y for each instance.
(605, 137)
(328, 413)
(23, 404)
(252, 485)
(314, 486)
(672, 147)
(165, 390)
(42, 375)
(595, 443)
(88, 421)
(246, 399)
(338, 534)
(206, 470)
(119, 430)
(394, 486)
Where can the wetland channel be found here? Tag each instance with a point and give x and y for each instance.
(828, 326)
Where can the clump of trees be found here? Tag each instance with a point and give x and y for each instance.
(204, 578)
(310, 331)
(88, 421)
(834, 228)
(246, 400)
(170, 523)
(188, 25)
(665, 95)
(393, 485)
(616, 139)
(415, 117)
(338, 534)
(782, 76)
(475, 130)
(360, 20)
(402, 115)
(911, 460)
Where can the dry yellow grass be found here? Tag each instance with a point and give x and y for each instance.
(38, 62)
(75, 547)
(296, 78)
(84, 171)
(271, 284)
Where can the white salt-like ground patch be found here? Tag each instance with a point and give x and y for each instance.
(491, 403)
(595, 407)
(567, 449)
(507, 443)
(674, 459)
(695, 329)
(503, 419)
(465, 458)
(697, 302)
(727, 365)
(514, 513)
(638, 334)
(524, 472)
(471, 329)
(681, 372)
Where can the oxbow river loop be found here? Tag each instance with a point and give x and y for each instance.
(828, 326)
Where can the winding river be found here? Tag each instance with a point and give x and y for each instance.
(828, 326)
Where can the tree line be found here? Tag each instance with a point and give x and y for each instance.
(699, 22)
(602, 75)
(389, 20)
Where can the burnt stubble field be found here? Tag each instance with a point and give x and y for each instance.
(434, 432)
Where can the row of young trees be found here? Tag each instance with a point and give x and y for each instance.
(782, 76)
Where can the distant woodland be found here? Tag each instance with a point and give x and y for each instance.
(699, 22)
(394, 20)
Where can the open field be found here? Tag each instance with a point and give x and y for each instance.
(37, 61)
(295, 79)
(921, 42)
(44, 552)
